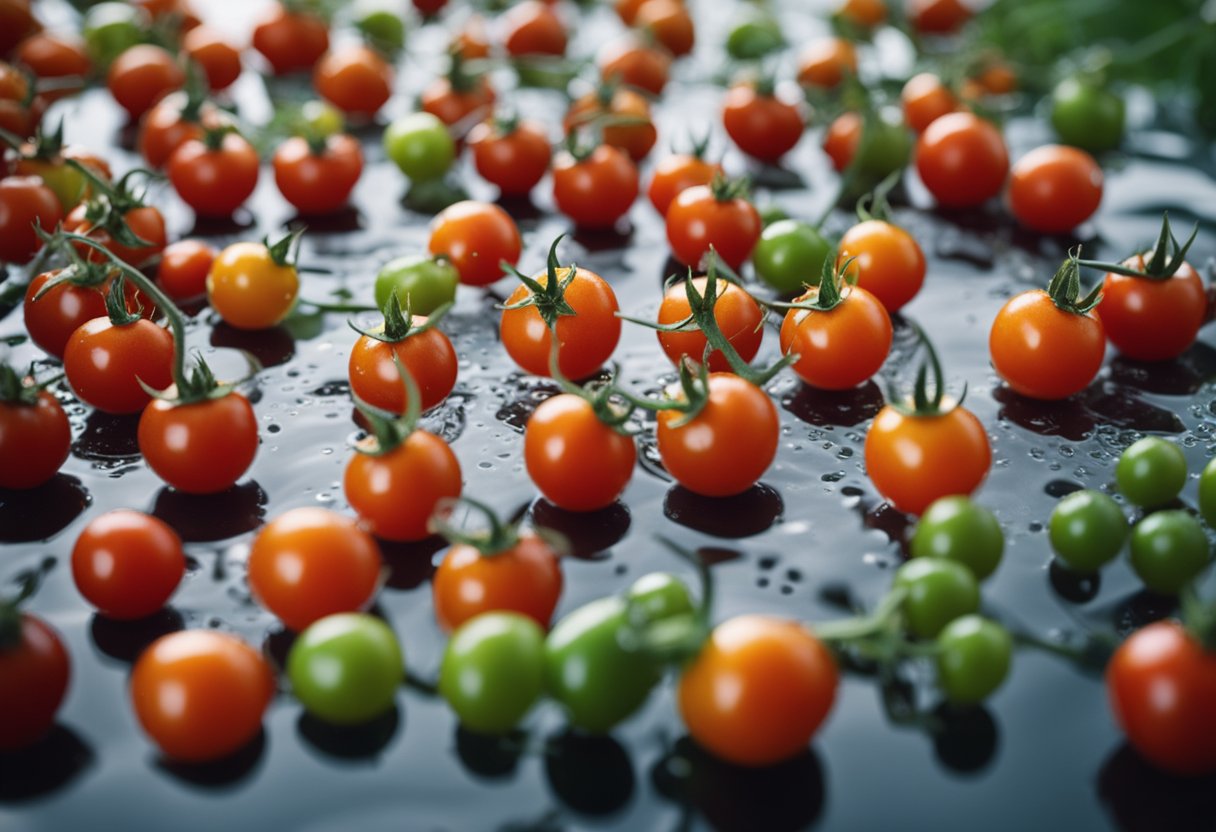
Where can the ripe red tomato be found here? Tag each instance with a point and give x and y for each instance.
(525, 578)
(630, 61)
(35, 672)
(318, 183)
(577, 462)
(514, 159)
(706, 216)
(214, 181)
(141, 76)
(452, 102)
(50, 55)
(20, 113)
(355, 79)
(1161, 684)
(1055, 188)
(183, 268)
(35, 438)
(1152, 320)
(1045, 352)
(105, 363)
(888, 262)
(127, 563)
(782, 683)
(675, 174)
(51, 319)
(396, 493)
(219, 59)
(727, 447)
(476, 237)
(427, 355)
(532, 28)
(736, 313)
(962, 160)
(595, 191)
(200, 448)
(669, 23)
(471, 42)
(145, 222)
(840, 348)
(168, 125)
(826, 62)
(200, 694)
(842, 138)
(925, 99)
(25, 202)
(763, 125)
(290, 41)
(609, 103)
(938, 17)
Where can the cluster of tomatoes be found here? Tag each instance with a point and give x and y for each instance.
(119, 333)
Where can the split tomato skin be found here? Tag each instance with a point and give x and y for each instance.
(577, 462)
(36, 672)
(962, 160)
(525, 579)
(736, 313)
(127, 564)
(841, 348)
(1055, 188)
(697, 220)
(35, 440)
(1042, 351)
(105, 363)
(1152, 320)
(199, 448)
(395, 493)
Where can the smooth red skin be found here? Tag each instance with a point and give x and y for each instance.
(1152, 320)
(840, 349)
(635, 139)
(864, 13)
(938, 17)
(311, 562)
(51, 319)
(200, 448)
(532, 28)
(841, 140)
(516, 161)
(1042, 351)
(105, 363)
(53, 56)
(141, 76)
(428, 356)
(34, 441)
(183, 268)
(290, 42)
(476, 237)
(925, 99)
(577, 462)
(147, 223)
(220, 60)
(758, 690)
(962, 160)
(586, 339)
(24, 201)
(696, 221)
(915, 460)
(526, 579)
(1161, 685)
(628, 61)
(355, 79)
(214, 182)
(452, 106)
(322, 183)
(1055, 188)
(736, 313)
(826, 62)
(395, 494)
(670, 24)
(35, 674)
(675, 174)
(163, 130)
(728, 446)
(200, 694)
(763, 127)
(888, 262)
(127, 564)
(597, 191)
(16, 22)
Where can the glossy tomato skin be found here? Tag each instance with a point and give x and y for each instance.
(888, 262)
(925, 99)
(141, 76)
(532, 28)
(670, 23)
(842, 138)
(790, 255)
(146, 222)
(525, 579)
(697, 220)
(290, 42)
(451, 105)
(355, 79)
(586, 339)
(214, 182)
(782, 683)
(938, 17)
(514, 161)
(629, 61)
(308, 563)
(34, 441)
(636, 139)
(220, 60)
(1055, 188)
(1161, 684)
(727, 447)
(476, 237)
(249, 289)
(127, 564)
(962, 160)
(164, 128)
(105, 363)
(1042, 351)
(675, 174)
(764, 127)
(395, 493)
(1152, 320)
(428, 356)
(736, 313)
(597, 191)
(199, 448)
(318, 183)
(36, 672)
(915, 460)
(493, 671)
(839, 349)
(51, 319)
(577, 462)
(24, 202)
(826, 62)
(200, 694)
(346, 668)
(183, 268)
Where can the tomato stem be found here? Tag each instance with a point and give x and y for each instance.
(496, 539)
(28, 581)
(548, 298)
(1065, 288)
(399, 325)
(390, 431)
(1162, 263)
(1199, 618)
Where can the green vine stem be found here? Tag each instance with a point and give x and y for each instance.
(925, 403)
(676, 639)
(1162, 263)
(497, 538)
(28, 582)
(389, 430)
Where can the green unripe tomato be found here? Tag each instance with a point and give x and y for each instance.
(346, 668)
(1207, 493)
(322, 118)
(659, 595)
(973, 659)
(493, 671)
(1087, 530)
(1169, 550)
(754, 36)
(1151, 472)
(112, 28)
(1086, 115)
(955, 528)
(938, 592)
(885, 145)
(380, 25)
(790, 253)
(420, 144)
(422, 284)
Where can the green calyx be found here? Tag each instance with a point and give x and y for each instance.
(1162, 263)
(548, 298)
(111, 202)
(832, 290)
(116, 304)
(498, 536)
(21, 390)
(725, 190)
(928, 394)
(460, 77)
(286, 250)
(28, 581)
(612, 406)
(1199, 617)
(213, 137)
(1065, 288)
(698, 146)
(399, 324)
(388, 429)
(874, 205)
(78, 272)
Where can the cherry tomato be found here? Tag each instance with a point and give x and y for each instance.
(1161, 684)
(476, 237)
(127, 563)
(826, 62)
(1054, 188)
(706, 216)
(636, 138)
(789, 255)
(472, 42)
(725, 448)
(1169, 550)
(453, 104)
(141, 76)
(675, 174)
(355, 79)
(395, 493)
(973, 658)
(763, 125)
(962, 160)
(427, 355)
(864, 13)
(669, 23)
(54, 56)
(514, 156)
(422, 284)
(36, 670)
(957, 529)
(736, 313)
(20, 114)
(200, 694)
(199, 448)
(346, 668)
(842, 138)
(318, 183)
(782, 683)
(290, 41)
(249, 289)
(532, 28)
(308, 563)
(887, 262)
(925, 99)
(882, 153)
(382, 26)
(168, 125)
(627, 10)
(25, 202)
(35, 438)
(183, 268)
(755, 34)
(1043, 351)
(110, 29)
(577, 462)
(937, 591)
(214, 181)
(586, 339)
(938, 17)
(1087, 530)
(630, 61)
(493, 671)
(1151, 320)
(595, 191)
(525, 578)
(18, 21)
(1086, 115)
(1151, 472)
(51, 319)
(145, 222)
(420, 145)
(105, 363)
(219, 59)
(840, 348)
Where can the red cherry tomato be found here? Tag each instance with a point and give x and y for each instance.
(34, 441)
(318, 183)
(1055, 188)
(938, 17)
(105, 363)
(675, 174)
(127, 563)
(516, 159)
(451, 105)
(214, 181)
(220, 60)
(167, 126)
(141, 76)
(925, 99)
(669, 23)
(24, 203)
(355, 79)
(1152, 320)
(476, 237)
(840, 348)
(183, 268)
(56, 56)
(577, 462)
(597, 191)
(630, 61)
(532, 28)
(35, 673)
(1045, 352)
(736, 313)
(427, 355)
(199, 448)
(395, 493)
(290, 41)
(962, 160)
(887, 262)
(706, 216)
(52, 318)
(145, 222)
(525, 578)
(763, 125)
(635, 138)
(826, 62)
(842, 138)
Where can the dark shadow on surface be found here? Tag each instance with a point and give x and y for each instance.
(592, 775)
(489, 757)
(217, 775)
(754, 511)
(205, 518)
(1139, 797)
(127, 640)
(410, 565)
(44, 767)
(589, 533)
(108, 438)
(843, 408)
(271, 346)
(349, 742)
(41, 513)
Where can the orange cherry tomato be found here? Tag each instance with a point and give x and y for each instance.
(758, 690)
(525, 578)
(1152, 320)
(826, 62)
(925, 99)
(127, 563)
(199, 448)
(290, 41)
(532, 28)
(702, 217)
(476, 237)
(635, 139)
(201, 694)
(308, 563)
(840, 348)
(736, 312)
(249, 289)
(427, 355)
(183, 268)
(888, 262)
(1045, 352)
(627, 10)
(1055, 188)
(355, 79)
(595, 192)
(395, 493)
(962, 160)
(318, 183)
(472, 42)
(513, 155)
(842, 138)
(36, 671)
(219, 59)
(864, 13)
(675, 174)
(577, 462)
(214, 181)
(451, 105)
(669, 23)
(998, 79)
(938, 17)
(141, 76)
(35, 440)
(105, 363)
(763, 126)
(628, 61)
